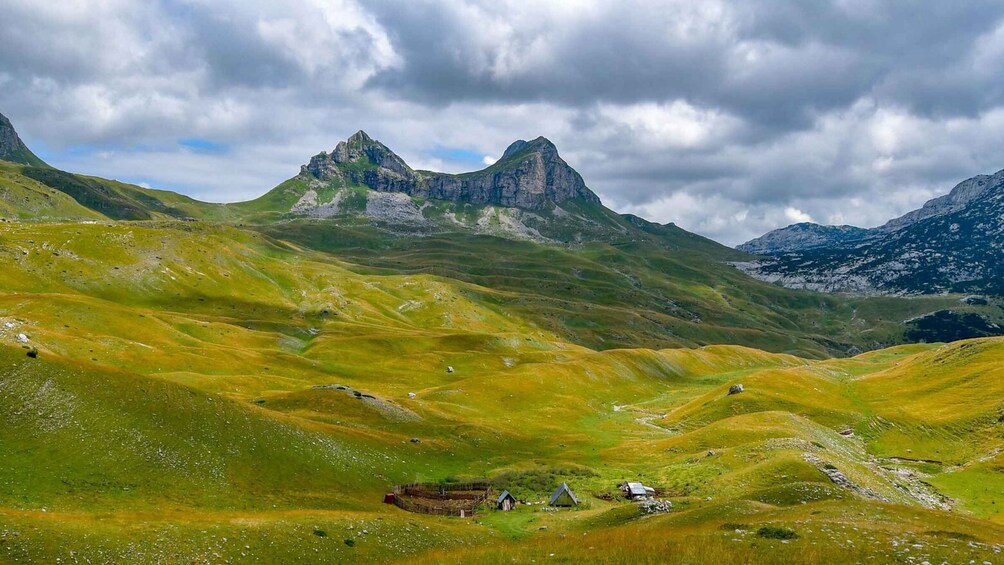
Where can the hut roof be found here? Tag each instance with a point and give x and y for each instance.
(563, 489)
(505, 494)
(636, 489)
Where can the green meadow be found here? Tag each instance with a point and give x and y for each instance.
(207, 393)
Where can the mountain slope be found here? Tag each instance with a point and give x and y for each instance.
(574, 267)
(955, 243)
(12, 149)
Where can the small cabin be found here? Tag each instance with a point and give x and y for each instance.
(506, 501)
(638, 490)
(564, 497)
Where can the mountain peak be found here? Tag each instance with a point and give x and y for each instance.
(13, 149)
(360, 137)
(959, 197)
(805, 235)
(538, 145)
(530, 175)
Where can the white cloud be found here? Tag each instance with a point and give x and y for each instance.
(677, 124)
(796, 216)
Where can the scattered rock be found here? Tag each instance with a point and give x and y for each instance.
(449, 369)
(415, 440)
(412, 395)
(22, 338)
(655, 506)
(736, 389)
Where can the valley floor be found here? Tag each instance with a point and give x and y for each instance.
(211, 395)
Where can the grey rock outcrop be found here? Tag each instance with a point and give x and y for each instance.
(802, 236)
(530, 175)
(12, 148)
(954, 243)
(960, 196)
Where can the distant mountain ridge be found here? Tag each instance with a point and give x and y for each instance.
(954, 243)
(962, 195)
(806, 235)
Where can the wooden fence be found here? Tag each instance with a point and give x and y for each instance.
(452, 499)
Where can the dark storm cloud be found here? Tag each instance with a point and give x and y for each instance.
(727, 117)
(775, 63)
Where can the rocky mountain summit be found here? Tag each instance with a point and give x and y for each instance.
(802, 236)
(530, 175)
(954, 243)
(961, 196)
(14, 150)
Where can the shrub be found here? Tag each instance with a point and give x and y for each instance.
(774, 532)
(350, 542)
(320, 533)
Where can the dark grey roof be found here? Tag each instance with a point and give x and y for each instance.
(503, 496)
(563, 488)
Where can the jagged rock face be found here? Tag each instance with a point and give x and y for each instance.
(964, 193)
(362, 161)
(531, 175)
(9, 141)
(953, 244)
(12, 148)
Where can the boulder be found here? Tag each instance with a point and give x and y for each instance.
(736, 389)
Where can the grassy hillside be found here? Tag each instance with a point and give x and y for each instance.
(599, 279)
(205, 393)
(24, 198)
(655, 287)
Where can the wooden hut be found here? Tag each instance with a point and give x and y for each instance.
(506, 501)
(638, 490)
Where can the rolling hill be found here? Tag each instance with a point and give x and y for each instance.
(193, 382)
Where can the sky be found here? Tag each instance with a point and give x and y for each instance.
(728, 118)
